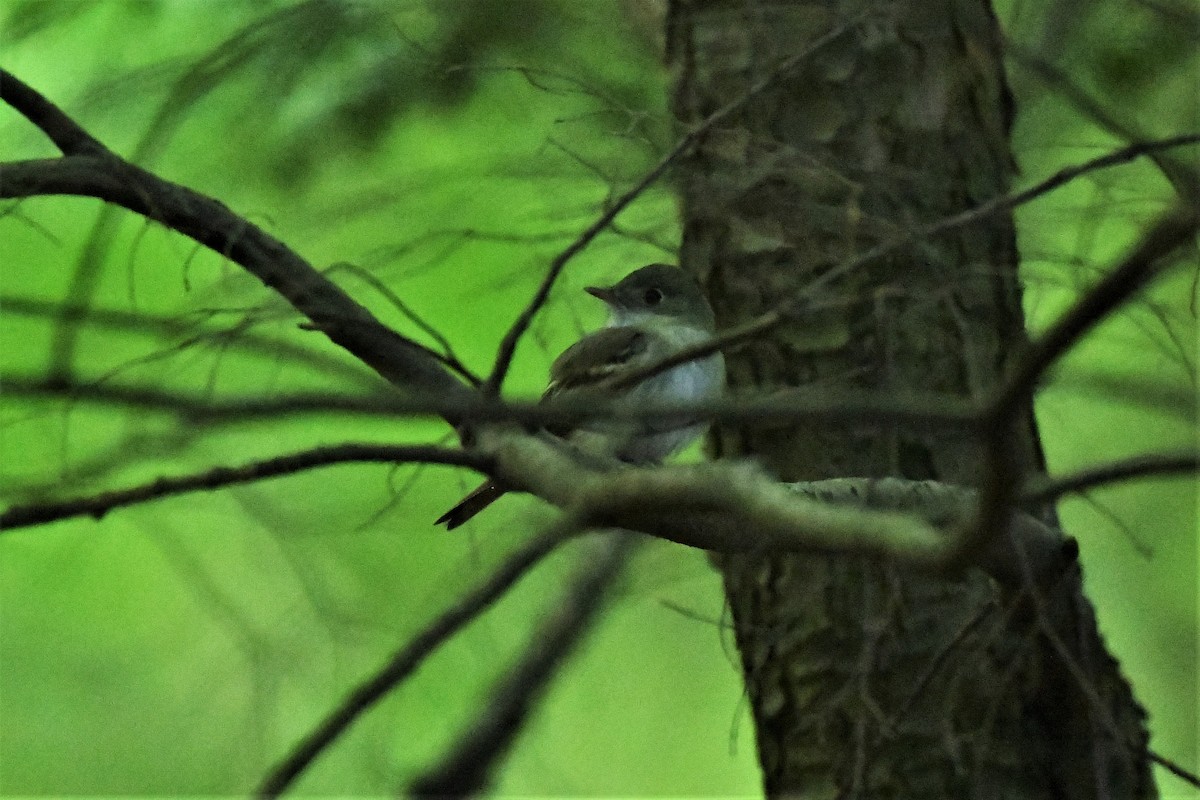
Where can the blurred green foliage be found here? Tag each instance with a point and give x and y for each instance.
(448, 149)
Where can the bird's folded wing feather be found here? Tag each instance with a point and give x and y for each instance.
(596, 357)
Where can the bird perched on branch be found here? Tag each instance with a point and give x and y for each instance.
(654, 312)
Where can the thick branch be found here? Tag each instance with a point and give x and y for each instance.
(735, 508)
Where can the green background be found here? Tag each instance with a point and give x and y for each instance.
(449, 150)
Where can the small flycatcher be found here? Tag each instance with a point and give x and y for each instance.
(654, 312)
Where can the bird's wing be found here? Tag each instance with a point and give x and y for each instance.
(596, 357)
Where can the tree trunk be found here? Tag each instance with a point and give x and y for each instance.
(868, 680)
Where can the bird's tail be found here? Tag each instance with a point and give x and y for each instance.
(483, 496)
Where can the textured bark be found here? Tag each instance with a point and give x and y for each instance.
(867, 680)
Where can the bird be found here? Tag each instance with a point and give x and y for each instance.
(653, 312)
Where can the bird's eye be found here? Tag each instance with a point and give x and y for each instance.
(653, 297)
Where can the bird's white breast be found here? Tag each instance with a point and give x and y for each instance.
(695, 381)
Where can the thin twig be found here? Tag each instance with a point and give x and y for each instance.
(1046, 490)
(914, 410)
(1181, 176)
(97, 505)
(1144, 263)
(201, 77)
(193, 333)
(196, 407)
(1174, 768)
(447, 355)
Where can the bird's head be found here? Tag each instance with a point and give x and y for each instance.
(658, 293)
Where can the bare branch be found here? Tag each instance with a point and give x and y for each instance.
(406, 660)
(735, 508)
(199, 79)
(1047, 489)
(69, 137)
(193, 332)
(349, 324)
(98, 505)
(1144, 263)
(212, 224)
(467, 769)
(1175, 769)
(197, 407)
(913, 410)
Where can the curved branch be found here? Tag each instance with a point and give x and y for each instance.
(1151, 466)
(214, 225)
(90, 170)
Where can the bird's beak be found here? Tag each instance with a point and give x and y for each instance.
(605, 293)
